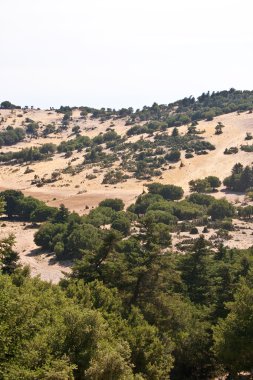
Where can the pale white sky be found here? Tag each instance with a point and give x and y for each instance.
(121, 53)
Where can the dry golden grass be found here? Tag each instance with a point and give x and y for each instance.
(76, 192)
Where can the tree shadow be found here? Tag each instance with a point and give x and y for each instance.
(65, 263)
(37, 252)
(231, 192)
(52, 258)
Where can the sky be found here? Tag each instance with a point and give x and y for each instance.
(122, 53)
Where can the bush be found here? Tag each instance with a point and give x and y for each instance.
(232, 150)
(205, 185)
(168, 192)
(201, 199)
(29, 154)
(173, 156)
(247, 148)
(116, 204)
(185, 210)
(8, 105)
(221, 209)
(11, 136)
(194, 231)
(200, 186)
(44, 236)
(241, 178)
(157, 216)
(213, 181)
(114, 176)
(32, 129)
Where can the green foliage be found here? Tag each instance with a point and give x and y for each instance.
(78, 143)
(32, 129)
(233, 336)
(147, 128)
(45, 236)
(247, 148)
(175, 132)
(29, 154)
(160, 234)
(11, 136)
(205, 185)
(185, 210)
(168, 192)
(213, 181)
(25, 208)
(8, 257)
(122, 224)
(8, 105)
(173, 156)
(231, 150)
(241, 178)
(144, 201)
(196, 274)
(158, 216)
(218, 128)
(221, 209)
(50, 128)
(201, 199)
(83, 237)
(11, 199)
(2, 206)
(45, 335)
(116, 204)
(206, 106)
(131, 309)
(113, 177)
(245, 212)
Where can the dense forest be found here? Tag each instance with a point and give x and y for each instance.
(131, 308)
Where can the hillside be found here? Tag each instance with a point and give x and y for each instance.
(76, 191)
(126, 241)
(79, 185)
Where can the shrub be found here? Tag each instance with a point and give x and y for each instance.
(116, 204)
(194, 231)
(168, 192)
(11, 136)
(32, 129)
(247, 148)
(218, 128)
(173, 156)
(157, 216)
(205, 185)
(232, 150)
(8, 105)
(248, 136)
(114, 176)
(241, 178)
(221, 209)
(201, 199)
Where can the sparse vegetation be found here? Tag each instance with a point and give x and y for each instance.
(11, 136)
